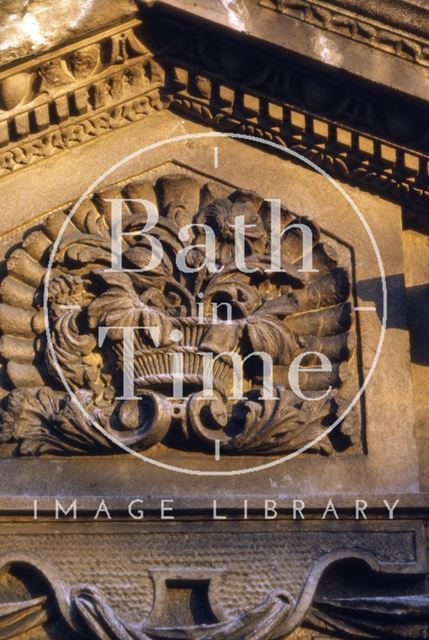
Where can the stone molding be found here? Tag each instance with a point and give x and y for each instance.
(359, 27)
(75, 94)
(238, 600)
(346, 128)
(67, 97)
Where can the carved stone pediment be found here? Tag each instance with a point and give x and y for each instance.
(217, 311)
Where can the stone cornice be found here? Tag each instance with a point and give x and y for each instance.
(76, 93)
(398, 30)
(64, 98)
(313, 42)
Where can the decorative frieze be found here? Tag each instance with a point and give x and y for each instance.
(76, 94)
(102, 83)
(219, 585)
(345, 128)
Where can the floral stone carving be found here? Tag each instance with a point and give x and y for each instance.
(283, 313)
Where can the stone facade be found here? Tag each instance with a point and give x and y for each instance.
(133, 504)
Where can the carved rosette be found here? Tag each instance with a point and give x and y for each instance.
(281, 313)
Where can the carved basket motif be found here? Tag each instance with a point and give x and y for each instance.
(220, 310)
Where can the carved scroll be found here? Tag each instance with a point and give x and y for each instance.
(283, 313)
(278, 616)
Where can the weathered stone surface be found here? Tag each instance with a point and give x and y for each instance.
(416, 255)
(98, 84)
(283, 314)
(237, 579)
(321, 32)
(29, 27)
(391, 461)
(304, 549)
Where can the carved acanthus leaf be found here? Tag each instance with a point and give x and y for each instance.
(219, 311)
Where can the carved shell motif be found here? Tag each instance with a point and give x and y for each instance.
(282, 313)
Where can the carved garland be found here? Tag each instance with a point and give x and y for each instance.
(281, 313)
